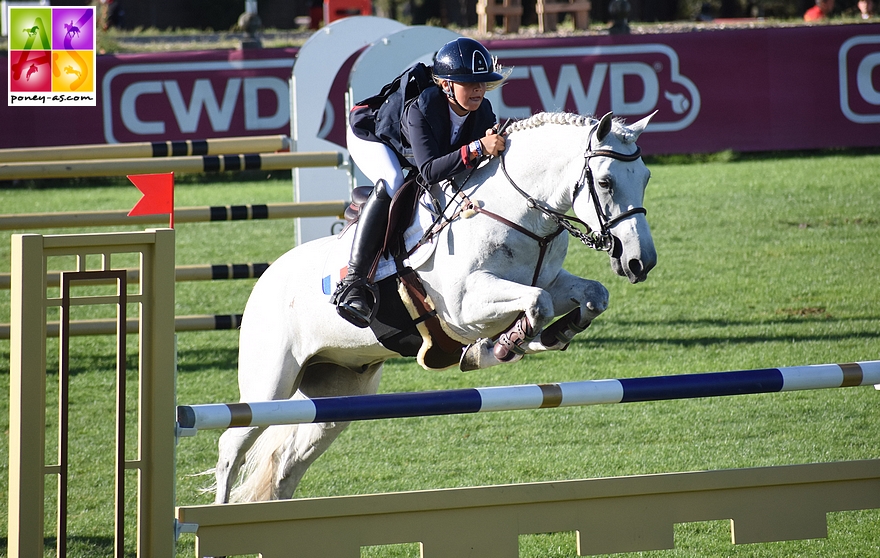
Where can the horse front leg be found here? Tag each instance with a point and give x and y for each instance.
(581, 300)
(493, 303)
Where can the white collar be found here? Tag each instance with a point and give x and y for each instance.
(457, 122)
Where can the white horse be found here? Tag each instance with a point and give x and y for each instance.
(495, 279)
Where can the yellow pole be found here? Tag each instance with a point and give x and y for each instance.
(196, 164)
(217, 146)
(158, 369)
(27, 397)
(201, 214)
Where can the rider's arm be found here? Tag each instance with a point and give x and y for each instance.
(426, 121)
(424, 129)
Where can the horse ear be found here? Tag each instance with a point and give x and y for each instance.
(640, 126)
(604, 127)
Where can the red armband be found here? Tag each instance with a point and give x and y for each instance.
(465, 156)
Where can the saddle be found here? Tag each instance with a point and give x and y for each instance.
(406, 320)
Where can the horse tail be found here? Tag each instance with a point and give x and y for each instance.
(260, 469)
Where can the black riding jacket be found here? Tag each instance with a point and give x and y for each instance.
(419, 131)
(428, 130)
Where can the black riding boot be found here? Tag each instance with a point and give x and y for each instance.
(353, 298)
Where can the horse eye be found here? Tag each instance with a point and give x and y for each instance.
(605, 183)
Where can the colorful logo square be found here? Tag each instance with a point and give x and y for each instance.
(72, 71)
(31, 70)
(51, 56)
(30, 28)
(73, 29)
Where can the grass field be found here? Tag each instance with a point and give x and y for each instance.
(762, 262)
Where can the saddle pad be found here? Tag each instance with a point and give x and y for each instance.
(336, 263)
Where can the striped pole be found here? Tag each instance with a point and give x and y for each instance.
(207, 322)
(216, 146)
(210, 272)
(206, 163)
(203, 214)
(191, 418)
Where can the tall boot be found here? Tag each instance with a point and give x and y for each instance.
(354, 298)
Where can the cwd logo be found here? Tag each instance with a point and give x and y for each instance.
(631, 80)
(180, 100)
(859, 67)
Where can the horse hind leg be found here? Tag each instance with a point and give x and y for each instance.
(233, 445)
(309, 441)
(268, 370)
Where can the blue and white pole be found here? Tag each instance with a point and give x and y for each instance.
(191, 418)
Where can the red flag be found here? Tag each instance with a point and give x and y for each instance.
(158, 194)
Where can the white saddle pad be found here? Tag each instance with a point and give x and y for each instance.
(336, 264)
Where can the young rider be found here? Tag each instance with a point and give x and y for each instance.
(443, 131)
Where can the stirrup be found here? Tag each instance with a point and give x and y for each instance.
(349, 313)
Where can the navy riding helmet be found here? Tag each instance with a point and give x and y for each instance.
(465, 60)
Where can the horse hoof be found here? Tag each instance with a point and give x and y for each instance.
(469, 360)
(473, 356)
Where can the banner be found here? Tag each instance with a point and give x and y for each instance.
(801, 87)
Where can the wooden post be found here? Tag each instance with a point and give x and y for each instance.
(509, 10)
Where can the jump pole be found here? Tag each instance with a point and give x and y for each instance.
(216, 146)
(191, 418)
(81, 328)
(199, 214)
(182, 273)
(207, 163)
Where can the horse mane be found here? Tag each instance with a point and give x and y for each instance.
(568, 119)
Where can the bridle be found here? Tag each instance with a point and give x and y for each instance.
(601, 240)
(598, 240)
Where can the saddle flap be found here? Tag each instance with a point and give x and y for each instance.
(400, 215)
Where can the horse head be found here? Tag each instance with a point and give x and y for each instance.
(610, 196)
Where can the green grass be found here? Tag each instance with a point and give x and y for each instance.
(762, 262)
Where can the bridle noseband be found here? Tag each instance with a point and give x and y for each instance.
(598, 240)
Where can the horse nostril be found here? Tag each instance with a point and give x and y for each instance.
(616, 247)
(635, 266)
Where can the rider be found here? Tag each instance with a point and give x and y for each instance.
(445, 130)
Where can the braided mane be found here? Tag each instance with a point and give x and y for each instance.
(566, 118)
(542, 118)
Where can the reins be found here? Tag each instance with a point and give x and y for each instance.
(543, 241)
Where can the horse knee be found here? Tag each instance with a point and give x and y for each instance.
(595, 300)
(541, 311)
